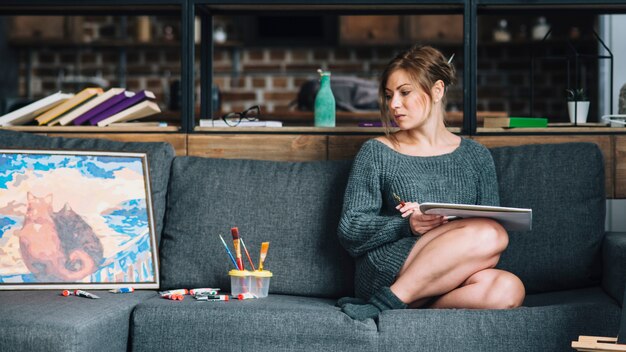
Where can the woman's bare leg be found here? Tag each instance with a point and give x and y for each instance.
(445, 259)
(487, 289)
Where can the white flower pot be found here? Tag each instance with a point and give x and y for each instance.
(578, 113)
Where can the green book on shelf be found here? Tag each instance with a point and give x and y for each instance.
(512, 122)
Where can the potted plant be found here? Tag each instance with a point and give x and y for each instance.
(577, 105)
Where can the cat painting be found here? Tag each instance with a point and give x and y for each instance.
(57, 247)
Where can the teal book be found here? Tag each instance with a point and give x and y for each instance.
(512, 122)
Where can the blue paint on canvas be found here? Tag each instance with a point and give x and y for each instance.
(131, 218)
(5, 224)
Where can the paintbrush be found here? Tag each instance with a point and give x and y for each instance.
(228, 251)
(247, 254)
(398, 199)
(236, 243)
(264, 247)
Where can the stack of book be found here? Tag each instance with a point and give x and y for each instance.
(91, 106)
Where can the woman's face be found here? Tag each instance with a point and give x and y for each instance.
(409, 105)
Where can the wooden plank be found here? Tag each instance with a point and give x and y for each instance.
(620, 166)
(94, 129)
(177, 140)
(293, 129)
(352, 129)
(597, 344)
(259, 146)
(578, 129)
(604, 142)
(345, 147)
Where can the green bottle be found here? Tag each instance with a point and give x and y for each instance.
(324, 102)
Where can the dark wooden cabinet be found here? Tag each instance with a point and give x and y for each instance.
(434, 28)
(371, 30)
(401, 29)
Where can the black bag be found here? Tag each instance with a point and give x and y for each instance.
(351, 94)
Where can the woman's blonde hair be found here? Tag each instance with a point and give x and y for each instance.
(425, 65)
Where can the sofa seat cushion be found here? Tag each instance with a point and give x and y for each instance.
(160, 156)
(293, 205)
(275, 323)
(46, 321)
(546, 322)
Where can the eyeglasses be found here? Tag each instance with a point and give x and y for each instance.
(234, 118)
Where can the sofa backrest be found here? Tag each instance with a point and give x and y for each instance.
(293, 205)
(160, 156)
(564, 185)
(296, 207)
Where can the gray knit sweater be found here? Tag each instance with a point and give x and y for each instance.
(372, 230)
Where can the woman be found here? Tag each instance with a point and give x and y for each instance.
(405, 258)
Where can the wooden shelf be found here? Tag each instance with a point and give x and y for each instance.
(92, 129)
(304, 119)
(553, 130)
(114, 43)
(304, 129)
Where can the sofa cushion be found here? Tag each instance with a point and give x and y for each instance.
(46, 321)
(550, 323)
(160, 156)
(275, 323)
(564, 185)
(293, 205)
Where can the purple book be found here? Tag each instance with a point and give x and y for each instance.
(102, 107)
(122, 105)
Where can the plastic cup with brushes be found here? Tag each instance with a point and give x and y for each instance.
(250, 284)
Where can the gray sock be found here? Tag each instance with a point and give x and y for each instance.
(349, 300)
(381, 301)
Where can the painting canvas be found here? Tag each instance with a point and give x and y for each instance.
(71, 219)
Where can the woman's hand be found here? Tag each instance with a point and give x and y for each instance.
(420, 223)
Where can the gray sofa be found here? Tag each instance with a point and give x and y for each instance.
(574, 272)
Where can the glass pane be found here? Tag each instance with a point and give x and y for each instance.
(43, 55)
(277, 68)
(527, 62)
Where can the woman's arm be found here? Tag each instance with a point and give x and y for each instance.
(362, 227)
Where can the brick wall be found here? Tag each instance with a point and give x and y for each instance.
(272, 77)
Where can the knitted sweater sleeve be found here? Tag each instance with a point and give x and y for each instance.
(487, 179)
(362, 226)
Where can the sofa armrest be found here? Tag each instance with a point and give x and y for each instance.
(614, 264)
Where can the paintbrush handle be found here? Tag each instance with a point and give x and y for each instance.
(264, 247)
(245, 249)
(228, 251)
(237, 244)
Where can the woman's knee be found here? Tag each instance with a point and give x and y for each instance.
(489, 238)
(506, 291)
